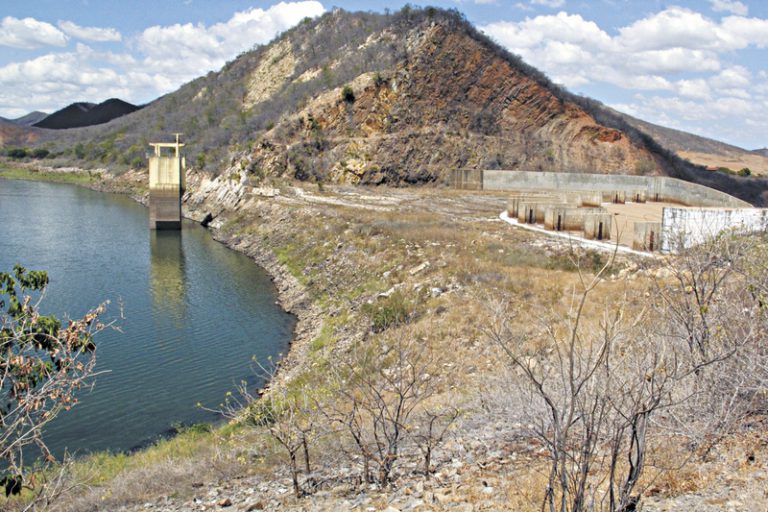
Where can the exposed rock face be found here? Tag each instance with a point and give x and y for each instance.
(452, 101)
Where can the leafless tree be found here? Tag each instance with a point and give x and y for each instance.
(287, 414)
(376, 393)
(596, 381)
(708, 297)
(430, 431)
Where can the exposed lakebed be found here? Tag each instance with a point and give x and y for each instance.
(191, 313)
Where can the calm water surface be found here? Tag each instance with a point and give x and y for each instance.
(194, 313)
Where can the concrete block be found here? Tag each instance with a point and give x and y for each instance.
(567, 218)
(597, 226)
(647, 236)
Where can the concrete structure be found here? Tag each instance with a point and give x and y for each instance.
(598, 226)
(647, 236)
(640, 212)
(655, 188)
(686, 227)
(166, 184)
(568, 218)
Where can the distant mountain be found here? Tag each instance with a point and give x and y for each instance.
(677, 140)
(86, 114)
(702, 150)
(30, 119)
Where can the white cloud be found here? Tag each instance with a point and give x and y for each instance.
(161, 58)
(695, 89)
(562, 27)
(187, 51)
(29, 33)
(673, 27)
(90, 33)
(554, 4)
(731, 6)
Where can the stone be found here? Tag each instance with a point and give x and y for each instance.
(226, 502)
(416, 270)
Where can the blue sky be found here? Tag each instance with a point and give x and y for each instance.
(699, 66)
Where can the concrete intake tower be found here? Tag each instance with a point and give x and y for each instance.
(167, 182)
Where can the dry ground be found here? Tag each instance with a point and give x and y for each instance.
(340, 254)
(758, 164)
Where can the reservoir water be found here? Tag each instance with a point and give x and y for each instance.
(192, 314)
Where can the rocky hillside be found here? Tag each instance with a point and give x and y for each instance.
(12, 134)
(369, 98)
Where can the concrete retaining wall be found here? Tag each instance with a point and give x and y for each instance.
(467, 179)
(655, 188)
(564, 218)
(686, 227)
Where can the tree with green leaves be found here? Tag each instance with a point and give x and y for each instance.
(43, 362)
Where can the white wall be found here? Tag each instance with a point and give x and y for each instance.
(686, 227)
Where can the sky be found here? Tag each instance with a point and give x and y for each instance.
(699, 66)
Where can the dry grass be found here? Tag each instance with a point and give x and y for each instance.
(345, 257)
(758, 164)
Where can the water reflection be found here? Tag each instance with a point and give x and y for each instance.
(167, 274)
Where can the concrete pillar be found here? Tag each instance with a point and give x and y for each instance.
(597, 226)
(513, 207)
(594, 199)
(527, 213)
(647, 236)
(555, 218)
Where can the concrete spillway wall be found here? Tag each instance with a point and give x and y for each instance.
(652, 188)
(686, 227)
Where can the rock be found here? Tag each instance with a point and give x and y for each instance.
(206, 220)
(226, 502)
(391, 509)
(413, 504)
(435, 292)
(416, 270)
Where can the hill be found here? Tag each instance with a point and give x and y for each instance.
(701, 150)
(12, 135)
(369, 98)
(86, 114)
(30, 119)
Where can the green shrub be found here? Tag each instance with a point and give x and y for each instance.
(745, 172)
(40, 153)
(347, 94)
(389, 312)
(17, 153)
